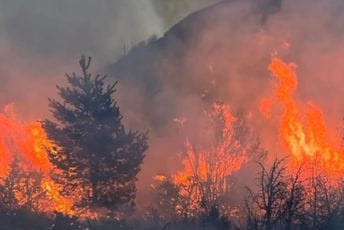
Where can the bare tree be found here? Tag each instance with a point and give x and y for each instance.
(227, 144)
(325, 203)
(266, 207)
(295, 200)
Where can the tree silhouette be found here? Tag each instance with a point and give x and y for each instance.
(21, 189)
(266, 206)
(294, 209)
(95, 156)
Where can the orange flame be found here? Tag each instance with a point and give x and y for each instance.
(206, 170)
(29, 143)
(303, 132)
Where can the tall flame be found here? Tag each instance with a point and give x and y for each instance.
(28, 142)
(303, 131)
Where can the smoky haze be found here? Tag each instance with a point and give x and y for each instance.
(42, 39)
(218, 54)
(221, 54)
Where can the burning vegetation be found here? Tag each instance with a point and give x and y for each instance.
(26, 167)
(83, 166)
(206, 168)
(80, 169)
(303, 129)
(247, 160)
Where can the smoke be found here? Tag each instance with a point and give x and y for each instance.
(42, 39)
(218, 54)
(221, 54)
(62, 28)
(102, 28)
(174, 11)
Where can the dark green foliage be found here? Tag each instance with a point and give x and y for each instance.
(95, 153)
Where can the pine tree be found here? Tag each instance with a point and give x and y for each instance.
(95, 155)
(21, 189)
(8, 187)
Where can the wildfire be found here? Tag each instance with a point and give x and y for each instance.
(206, 170)
(28, 143)
(303, 131)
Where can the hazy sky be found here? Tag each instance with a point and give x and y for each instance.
(40, 40)
(60, 28)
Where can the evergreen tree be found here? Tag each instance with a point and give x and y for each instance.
(21, 189)
(95, 156)
(9, 186)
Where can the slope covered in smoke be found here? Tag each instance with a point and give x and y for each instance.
(166, 84)
(41, 40)
(196, 61)
(221, 53)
